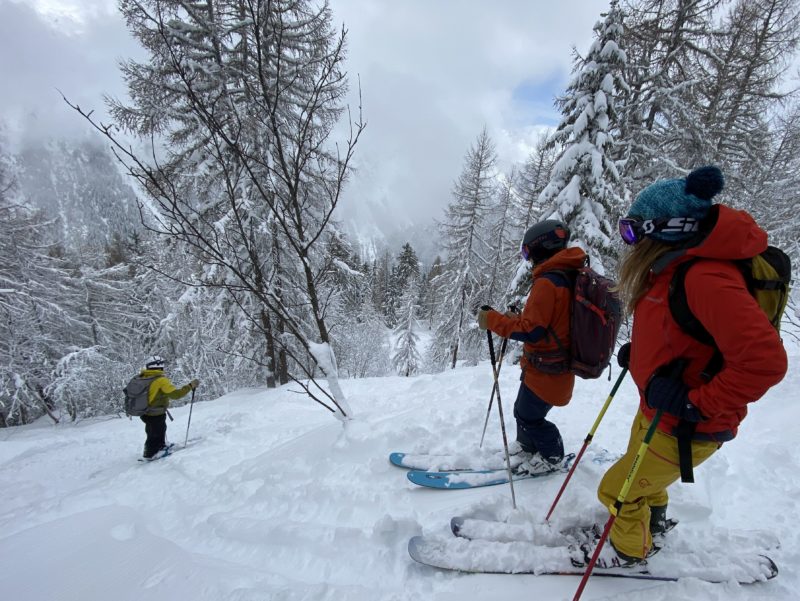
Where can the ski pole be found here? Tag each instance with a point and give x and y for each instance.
(675, 370)
(588, 440)
(617, 505)
(494, 389)
(191, 404)
(513, 308)
(502, 420)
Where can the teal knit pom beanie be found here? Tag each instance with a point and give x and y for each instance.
(689, 197)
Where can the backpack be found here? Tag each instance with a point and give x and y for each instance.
(767, 277)
(596, 316)
(136, 395)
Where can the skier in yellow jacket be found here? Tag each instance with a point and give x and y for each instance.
(158, 397)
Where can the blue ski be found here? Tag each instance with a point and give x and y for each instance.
(171, 448)
(426, 462)
(462, 479)
(475, 461)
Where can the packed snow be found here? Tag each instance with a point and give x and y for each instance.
(273, 498)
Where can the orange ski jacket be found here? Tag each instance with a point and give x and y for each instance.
(549, 304)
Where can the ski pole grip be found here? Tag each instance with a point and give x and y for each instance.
(491, 348)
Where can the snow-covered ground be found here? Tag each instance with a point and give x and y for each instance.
(273, 499)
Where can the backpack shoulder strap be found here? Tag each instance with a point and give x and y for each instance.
(566, 279)
(560, 277)
(686, 320)
(679, 305)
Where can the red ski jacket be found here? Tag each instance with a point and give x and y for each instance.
(549, 304)
(753, 354)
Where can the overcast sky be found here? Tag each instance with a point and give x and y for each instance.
(432, 73)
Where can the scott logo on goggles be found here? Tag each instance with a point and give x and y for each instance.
(675, 224)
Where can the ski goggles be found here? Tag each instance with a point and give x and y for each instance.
(634, 229)
(524, 253)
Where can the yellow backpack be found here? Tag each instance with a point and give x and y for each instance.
(768, 277)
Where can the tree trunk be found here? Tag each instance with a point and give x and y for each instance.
(266, 324)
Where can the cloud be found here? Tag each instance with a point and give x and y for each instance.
(432, 74)
(41, 55)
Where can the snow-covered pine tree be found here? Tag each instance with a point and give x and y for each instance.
(429, 299)
(405, 274)
(664, 41)
(533, 178)
(504, 253)
(744, 72)
(772, 193)
(348, 280)
(69, 295)
(245, 97)
(585, 189)
(35, 328)
(775, 203)
(406, 359)
(105, 339)
(358, 331)
(362, 341)
(527, 210)
(78, 184)
(381, 283)
(461, 287)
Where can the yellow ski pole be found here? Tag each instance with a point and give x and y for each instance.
(617, 505)
(675, 370)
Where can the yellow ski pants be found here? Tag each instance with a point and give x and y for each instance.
(659, 468)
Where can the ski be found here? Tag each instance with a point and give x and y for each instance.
(560, 534)
(527, 532)
(171, 448)
(462, 479)
(434, 462)
(491, 557)
(464, 462)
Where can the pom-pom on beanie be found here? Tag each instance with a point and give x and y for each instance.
(689, 197)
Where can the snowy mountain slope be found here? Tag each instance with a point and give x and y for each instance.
(274, 499)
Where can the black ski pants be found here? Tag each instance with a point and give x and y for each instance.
(534, 432)
(155, 426)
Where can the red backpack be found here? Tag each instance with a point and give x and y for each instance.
(595, 319)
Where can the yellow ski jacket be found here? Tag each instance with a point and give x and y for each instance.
(162, 390)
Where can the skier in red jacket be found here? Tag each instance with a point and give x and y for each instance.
(672, 222)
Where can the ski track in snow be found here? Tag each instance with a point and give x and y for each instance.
(275, 499)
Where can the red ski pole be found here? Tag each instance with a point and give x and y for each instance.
(588, 440)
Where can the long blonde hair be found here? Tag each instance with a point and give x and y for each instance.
(634, 271)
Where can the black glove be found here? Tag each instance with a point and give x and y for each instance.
(624, 355)
(672, 396)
